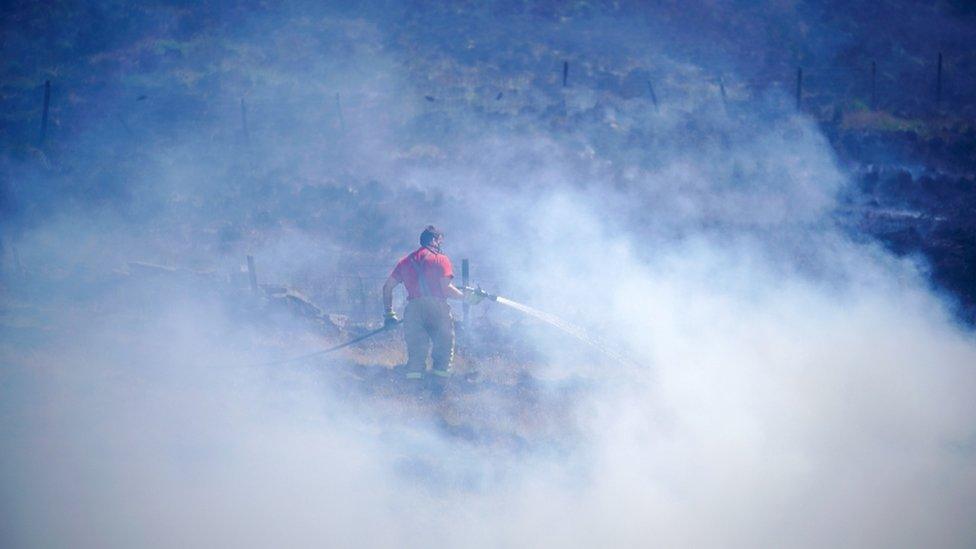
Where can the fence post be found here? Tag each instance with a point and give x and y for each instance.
(47, 102)
(874, 89)
(565, 72)
(20, 270)
(799, 87)
(725, 101)
(342, 120)
(125, 126)
(464, 282)
(247, 134)
(650, 87)
(363, 306)
(252, 275)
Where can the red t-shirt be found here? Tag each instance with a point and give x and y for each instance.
(433, 266)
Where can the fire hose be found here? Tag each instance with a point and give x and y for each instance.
(330, 349)
(481, 294)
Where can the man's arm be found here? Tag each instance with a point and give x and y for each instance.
(388, 293)
(448, 289)
(447, 273)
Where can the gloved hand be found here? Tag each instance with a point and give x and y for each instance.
(390, 319)
(473, 296)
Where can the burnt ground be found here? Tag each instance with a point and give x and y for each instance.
(120, 94)
(494, 403)
(922, 206)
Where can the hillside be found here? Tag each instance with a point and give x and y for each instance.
(732, 241)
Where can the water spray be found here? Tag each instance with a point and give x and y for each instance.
(572, 329)
(567, 327)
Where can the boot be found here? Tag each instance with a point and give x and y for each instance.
(408, 381)
(436, 382)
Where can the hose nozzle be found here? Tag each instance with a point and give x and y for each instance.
(479, 292)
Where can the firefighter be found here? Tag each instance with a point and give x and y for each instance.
(427, 323)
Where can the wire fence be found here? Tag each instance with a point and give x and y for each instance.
(931, 87)
(360, 298)
(356, 293)
(941, 85)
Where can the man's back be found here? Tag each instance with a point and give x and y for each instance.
(422, 271)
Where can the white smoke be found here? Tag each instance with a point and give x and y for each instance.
(799, 387)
